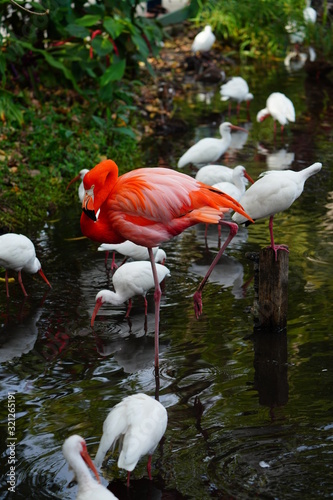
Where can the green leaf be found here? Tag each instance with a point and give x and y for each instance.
(52, 62)
(113, 26)
(77, 31)
(141, 45)
(99, 121)
(114, 72)
(88, 20)
(102, 46)
(123, 131)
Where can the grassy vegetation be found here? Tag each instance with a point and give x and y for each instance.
(57, 139)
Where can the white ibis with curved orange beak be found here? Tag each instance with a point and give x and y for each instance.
(274, 191)
(17, 252)
(138, 423)
(130, 279)
(209, 149)
(237, 187)
(79, 177)
(75, 452)
(212, 174)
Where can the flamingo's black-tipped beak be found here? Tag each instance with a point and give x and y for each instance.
(90, 213)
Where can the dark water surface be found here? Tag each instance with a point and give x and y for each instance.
(250, 416)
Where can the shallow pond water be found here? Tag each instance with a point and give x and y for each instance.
(250, 415)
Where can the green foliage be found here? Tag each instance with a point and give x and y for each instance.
(257, 28)
(90, 47)
(53, 145)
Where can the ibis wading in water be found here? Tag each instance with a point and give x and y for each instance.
(149, 206)
(236, 89)
(212, 174)
(138, 423)
(131, 250)
(274, 191)
(75, 452)
(17, 252)
(280, 108)
(130, 279)
(209, 149)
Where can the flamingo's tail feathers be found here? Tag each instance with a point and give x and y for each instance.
(230, 203)
(207, 215)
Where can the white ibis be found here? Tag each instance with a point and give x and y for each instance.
(274, 191)
(80, 176)
(204, 40)
(130, 250)
(236, 89)
(209, 149)
(237, 187)
(213, 174)
(309, 13)
(17, 252)
(138, 423)
(280, 108)
(75, 452)
(130, 279)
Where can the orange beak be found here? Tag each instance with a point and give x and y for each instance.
(97, 308)
(235, 127)
(248, 177)
(77, 178)
(44, 278)
(86, 457)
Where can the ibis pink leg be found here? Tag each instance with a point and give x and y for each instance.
(146, 306)
(273, 246)
(128, 478)
(6, 279)
(113, 263)
(129, 307)
(197, 298)
(106, 257)
(149, 467)
(21, 283)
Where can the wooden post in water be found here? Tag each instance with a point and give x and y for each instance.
(270, 321)
(272, 290)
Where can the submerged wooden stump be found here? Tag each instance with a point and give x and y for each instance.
(271, 368)
(271, 290)
(270, 321)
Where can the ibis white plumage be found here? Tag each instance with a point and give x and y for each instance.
(204, 40)
(209, 149)
(213, 174)
(76, 454)
(130, 250)
(236, 89)
(79, 177)
(138, 423)
(237, 187)
(280, 108)
(17, 253)
(130, 279)
(274, 191)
